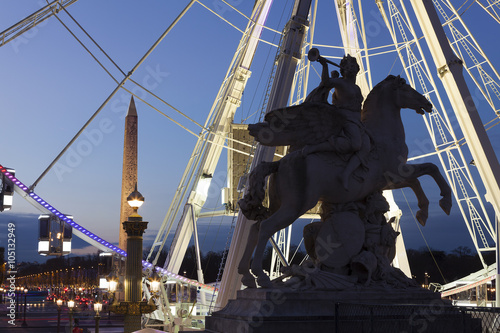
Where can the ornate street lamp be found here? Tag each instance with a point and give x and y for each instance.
(135, 200)
(112, 280)
(112, 286)
(71, 305)
(59, 302)
(155, 286)
(97, 309)
(133, 306)
(154, 281)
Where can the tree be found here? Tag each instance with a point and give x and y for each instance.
(441, 266)
(462, 251)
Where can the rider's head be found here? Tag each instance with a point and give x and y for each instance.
(349, 66)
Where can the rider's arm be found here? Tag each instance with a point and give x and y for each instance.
(325, 75)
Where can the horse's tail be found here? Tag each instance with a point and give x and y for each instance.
(251, 204)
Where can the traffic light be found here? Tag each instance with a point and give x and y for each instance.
(7, 188)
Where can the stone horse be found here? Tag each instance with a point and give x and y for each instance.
(299, 181)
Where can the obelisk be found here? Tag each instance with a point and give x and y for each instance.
(129, 172)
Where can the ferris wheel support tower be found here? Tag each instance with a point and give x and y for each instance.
(197, 177)
(290, 55)
(450, 71)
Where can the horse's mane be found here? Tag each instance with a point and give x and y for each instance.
(374, 94)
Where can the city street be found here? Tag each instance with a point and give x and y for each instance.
(42, 317)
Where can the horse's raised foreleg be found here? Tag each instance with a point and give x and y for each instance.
(445, 191)
(413, 171)
(423, 202)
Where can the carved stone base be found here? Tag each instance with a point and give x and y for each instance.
(410, 310)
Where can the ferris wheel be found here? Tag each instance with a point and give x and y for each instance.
(392, 35)
(407, 44)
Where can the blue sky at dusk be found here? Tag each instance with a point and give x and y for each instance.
(50, 86)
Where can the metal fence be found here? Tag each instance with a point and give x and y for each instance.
(438, 317)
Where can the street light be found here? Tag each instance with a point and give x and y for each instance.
(135, 200)
(155, 286)
(112, 285)
(133, 306)
(97, 309)
(154, 281)
(59, 302)
(24, 320)
(71, 305)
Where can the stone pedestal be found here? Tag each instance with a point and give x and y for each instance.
(266, 310)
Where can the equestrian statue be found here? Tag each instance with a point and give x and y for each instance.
(342, 154)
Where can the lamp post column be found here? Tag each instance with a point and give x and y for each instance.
(24, 317)
(17, 301)
(133, 306)
(97, 318)
(134, 228)
(97, 309)
(59, 302)
(70, 320)
(71, 305)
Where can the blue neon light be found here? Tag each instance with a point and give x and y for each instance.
(44, 204)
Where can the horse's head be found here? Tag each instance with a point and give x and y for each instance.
(406, 97)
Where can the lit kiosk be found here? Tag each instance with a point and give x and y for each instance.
(133, 307)
(54, 236)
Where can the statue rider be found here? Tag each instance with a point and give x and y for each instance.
(352, 144)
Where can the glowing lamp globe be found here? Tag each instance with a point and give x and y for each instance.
(135, 199)
(97, 307)
(112, 285)
(155, 286)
